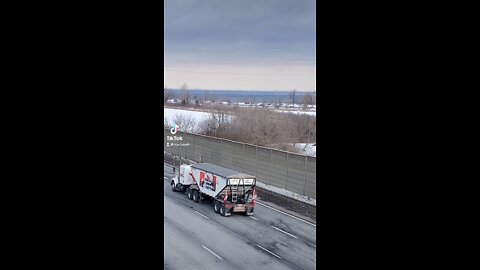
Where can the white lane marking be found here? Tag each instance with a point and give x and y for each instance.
(284, 232)
(201, 214)
(287, 214)
(253, 218)
(269, 251)
(212, 252)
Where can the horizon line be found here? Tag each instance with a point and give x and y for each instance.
(245, 90)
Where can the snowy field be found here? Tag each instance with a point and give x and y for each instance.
(310, 150)
(300, 112)
(200, 116)
(171, 113)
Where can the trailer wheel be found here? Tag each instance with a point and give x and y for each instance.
(173, 186)
(249, 212)
(216, 207)
(195, 196)
(190, 193)
(223, 211)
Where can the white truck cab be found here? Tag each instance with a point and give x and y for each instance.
(182, 180)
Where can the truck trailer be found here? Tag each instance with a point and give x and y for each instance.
(230, 191)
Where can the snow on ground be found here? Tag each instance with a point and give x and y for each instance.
(197, 116)
(309, 150)
(314, 113)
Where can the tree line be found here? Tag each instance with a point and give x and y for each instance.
(186, 99)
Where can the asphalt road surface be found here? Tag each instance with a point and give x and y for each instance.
(195, 237)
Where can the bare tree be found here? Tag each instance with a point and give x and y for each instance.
(266, 131)
(310, 130)
(205, 96)
(250, 101)
(208, 127)
(165, 123)
(185, 94)
(307, 99)
(166, 94)
(242, 126)
(218, 122)
(222, 118)
(261, 126)
(292, 128)
(277, 103)
(293, 96)
(186, 123)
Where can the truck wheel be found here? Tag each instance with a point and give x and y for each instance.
(190, 194)
(195, 196)
(216, 207)
(173, 186)
(223, 211)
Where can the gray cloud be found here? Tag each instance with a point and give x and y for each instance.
(243, 32)
(244, 24)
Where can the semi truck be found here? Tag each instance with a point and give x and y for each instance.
(231, 191)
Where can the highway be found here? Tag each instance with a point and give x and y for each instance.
(195, 237)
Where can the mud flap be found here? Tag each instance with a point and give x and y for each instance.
(249, 212)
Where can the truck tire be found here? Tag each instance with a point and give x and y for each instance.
(190, 194)
(173, 186)
(216, 207)
(249, 212)
(195, 196)
(223, 211)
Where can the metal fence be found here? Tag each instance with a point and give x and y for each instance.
(293, 172)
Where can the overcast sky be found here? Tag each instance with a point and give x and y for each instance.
(240, 44)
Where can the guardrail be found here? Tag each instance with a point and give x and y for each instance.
(293, 172)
